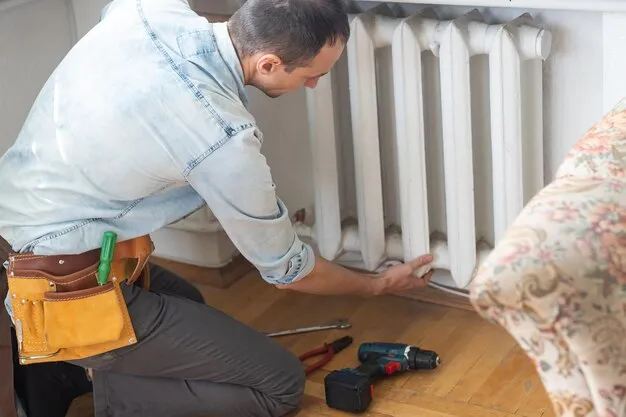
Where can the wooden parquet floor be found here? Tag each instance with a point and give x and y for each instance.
(483, 372)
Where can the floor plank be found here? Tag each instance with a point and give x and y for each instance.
(483, 372)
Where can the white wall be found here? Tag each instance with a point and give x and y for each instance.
(34, 37)
(27, 56)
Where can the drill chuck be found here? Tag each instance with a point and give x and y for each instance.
(423, 359)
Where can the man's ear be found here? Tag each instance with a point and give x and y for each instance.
(268, 64)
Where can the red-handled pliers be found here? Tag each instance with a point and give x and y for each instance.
(328, 350)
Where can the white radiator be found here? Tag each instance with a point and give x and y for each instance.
(415, 146)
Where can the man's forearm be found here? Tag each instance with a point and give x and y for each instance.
(328, 278)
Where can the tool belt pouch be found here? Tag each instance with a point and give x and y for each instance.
(69, 316)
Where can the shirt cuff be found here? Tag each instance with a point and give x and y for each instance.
(300, 265)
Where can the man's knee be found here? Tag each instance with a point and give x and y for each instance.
(288, 396)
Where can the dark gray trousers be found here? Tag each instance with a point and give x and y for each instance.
(192, 360)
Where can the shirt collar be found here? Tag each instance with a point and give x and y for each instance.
(231, 59)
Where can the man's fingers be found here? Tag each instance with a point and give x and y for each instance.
(421, 261)
(426, 278)
(423, 282)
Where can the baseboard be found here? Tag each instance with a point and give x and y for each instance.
(216, 277)
(436, 296)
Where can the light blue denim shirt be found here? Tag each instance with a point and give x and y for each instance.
(143, 122)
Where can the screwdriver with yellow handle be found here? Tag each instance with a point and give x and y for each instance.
(106, 256)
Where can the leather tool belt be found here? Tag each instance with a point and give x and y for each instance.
(61, 313)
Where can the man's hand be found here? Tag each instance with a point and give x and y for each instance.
(328, 278)
(403, 277)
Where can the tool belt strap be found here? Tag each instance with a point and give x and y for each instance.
(65, 269)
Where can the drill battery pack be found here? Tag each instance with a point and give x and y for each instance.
(348, 391)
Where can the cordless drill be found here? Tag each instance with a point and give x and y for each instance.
(352, 389)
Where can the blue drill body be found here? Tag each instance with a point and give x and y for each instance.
(383, 349)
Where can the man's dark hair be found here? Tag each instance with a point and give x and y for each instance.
(294, 30)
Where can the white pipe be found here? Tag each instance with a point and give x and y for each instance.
(394, 250)
(577, 5)
(443, 288)
(408, 94)
(448, 290)
(321, 115)
(454, 58)
(510, 44)
(382, 30)
(506, 131)
(364, 114)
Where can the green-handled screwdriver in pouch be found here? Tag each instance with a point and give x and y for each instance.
(106, 257)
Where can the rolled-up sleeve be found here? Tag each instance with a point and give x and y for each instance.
(235, 181)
